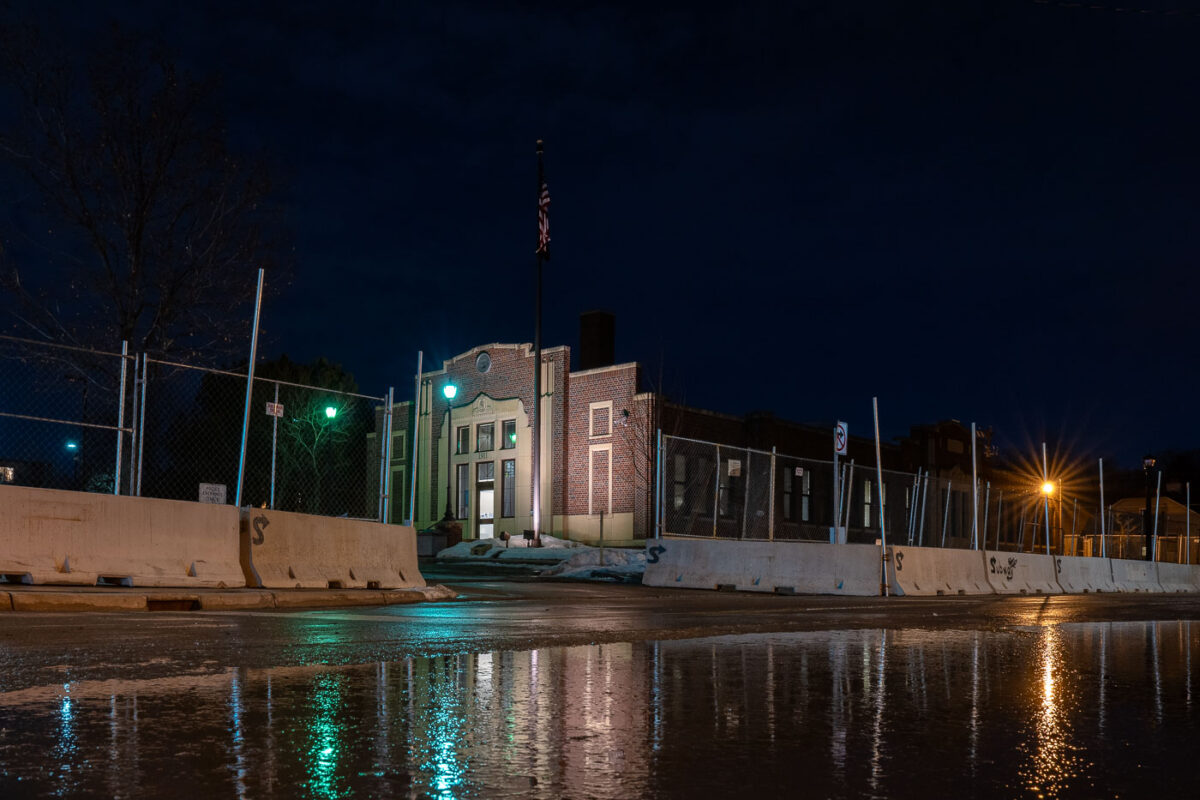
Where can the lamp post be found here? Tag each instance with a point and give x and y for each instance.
(449, 391)
(1048, 492)
(1147, 465)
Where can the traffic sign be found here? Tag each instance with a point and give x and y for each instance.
(840, 434)
(274, 409)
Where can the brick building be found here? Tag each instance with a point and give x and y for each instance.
(598, 454)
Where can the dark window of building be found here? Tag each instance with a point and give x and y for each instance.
(464, 490)
(788, 496)
(679, 482)
(866, 504)
(806, 496)
(463, 445)
(508, 488)
(484, 435)
(508, 438)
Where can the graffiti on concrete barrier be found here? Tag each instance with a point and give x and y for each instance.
(1058, 566)
(260, 522)
(652, 553)
(1000, 569)
(899, 560)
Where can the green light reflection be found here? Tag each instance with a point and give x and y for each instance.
(325, 734)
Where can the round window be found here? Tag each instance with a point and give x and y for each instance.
(483, 362)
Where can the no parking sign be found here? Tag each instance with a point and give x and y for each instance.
(839, 438)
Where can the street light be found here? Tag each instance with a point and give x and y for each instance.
(1048, 489)
(449, 391)
(330, 412)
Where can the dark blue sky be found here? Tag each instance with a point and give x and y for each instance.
(978, 210)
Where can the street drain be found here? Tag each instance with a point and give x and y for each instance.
(173, 604)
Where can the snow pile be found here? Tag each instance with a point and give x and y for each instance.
(435, 592)
(601, 564)
(552, 550)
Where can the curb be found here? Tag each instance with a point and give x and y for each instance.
(77, 601)
(239, 600)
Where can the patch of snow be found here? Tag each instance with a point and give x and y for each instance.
(600, 564)
(552, 551)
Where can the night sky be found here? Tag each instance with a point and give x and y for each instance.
(974, 210)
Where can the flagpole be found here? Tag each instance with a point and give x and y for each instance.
(537, 370)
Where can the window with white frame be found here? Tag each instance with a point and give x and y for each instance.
(788, 495)
(679, 482)
(464, 490)
(806, 496)
(866, 504)
(484, 436)
(600, 419)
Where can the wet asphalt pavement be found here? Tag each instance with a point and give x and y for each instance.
(535, 689)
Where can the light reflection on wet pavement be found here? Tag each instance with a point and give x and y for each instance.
(1074, 710)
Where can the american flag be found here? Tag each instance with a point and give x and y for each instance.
(543, 248)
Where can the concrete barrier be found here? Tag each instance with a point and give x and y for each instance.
(285, 550)
(1135, 576)
(1178, 577)
(1021, 573)
(1078, 575)
(784, 567)
(48, 536)
(936, 571)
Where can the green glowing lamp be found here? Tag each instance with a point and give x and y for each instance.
(450, 390)
(330, 412)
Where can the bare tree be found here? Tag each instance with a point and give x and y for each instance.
(148, 229)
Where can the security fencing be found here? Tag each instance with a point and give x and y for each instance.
(309, 448)
(712, 490)
(61, 424)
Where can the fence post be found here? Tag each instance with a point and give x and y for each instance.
(415, 433)
(658, 488)
(385, 488)
(274, 441)
(249, 388)
(946, 513)
(921, 526)
(771, 501)
(120, 418)
(142, 422)
(716, 490)
(745, 495)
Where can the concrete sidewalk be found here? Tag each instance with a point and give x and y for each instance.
(105, 598)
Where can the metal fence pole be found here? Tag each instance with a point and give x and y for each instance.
(249, 388)
(716, 490)
(946, 513)
(120, 418)
(142, 421)
(134, 433)
(387, 482)
(745, 496)
(921, 526)
(658, 489)
(771, 501)
(274, 441)
(1103, 542)
(987, 501)
(416, 427)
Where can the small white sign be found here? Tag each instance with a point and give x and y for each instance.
(735, 468)
(212, 493)
(274, 409)
(799, 472)
(840, 434)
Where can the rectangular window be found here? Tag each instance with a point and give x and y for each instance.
(484, 435)
(508, 488)
(866, 504)
(485, 471)
(600, 419)
(805, 496)
(883, 500)
(729, 482)
(464, 490)
(463, 445)
(680, 482)
(788, 499)
(508, 436)
(398, 447)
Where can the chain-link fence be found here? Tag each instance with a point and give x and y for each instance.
(308, 448)
(59, 415)
(718, 491)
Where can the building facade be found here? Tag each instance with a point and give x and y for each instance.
(475, 451)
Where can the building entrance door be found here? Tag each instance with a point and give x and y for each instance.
(485, 487)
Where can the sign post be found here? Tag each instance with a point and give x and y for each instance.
(274, 411)
(840, 432)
